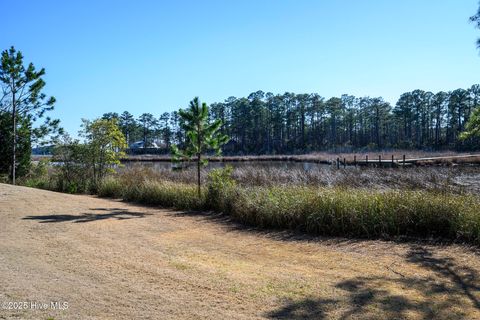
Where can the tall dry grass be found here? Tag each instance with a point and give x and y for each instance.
(135, 185)
(365, 203)
(459, 180)
(341, 210)
(360, 213)
(319, 156)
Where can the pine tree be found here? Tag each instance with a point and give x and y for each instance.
(201, 135)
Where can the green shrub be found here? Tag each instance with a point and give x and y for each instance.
(110, 187)
(38, 175)
(4, 178)
(220, 189)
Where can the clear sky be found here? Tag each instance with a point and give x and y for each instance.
(155, 56)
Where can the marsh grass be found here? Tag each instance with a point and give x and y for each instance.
(153, 192)
(458, 180)
(360, 213)
(362, 203)
(316, 155)
(340, 210)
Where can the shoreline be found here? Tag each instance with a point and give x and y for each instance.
(395, 159)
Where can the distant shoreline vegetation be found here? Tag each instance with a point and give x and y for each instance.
(266, 123)
(386, 159)
(393, 158)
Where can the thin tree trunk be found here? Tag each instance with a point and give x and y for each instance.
(144, 137)
(199, 155)
(14, 142)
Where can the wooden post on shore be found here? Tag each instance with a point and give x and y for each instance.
(366, 160)
(379, 160)
(393, 160)
(338, 163)
(355, 160)
(344, 163)
(404, 161)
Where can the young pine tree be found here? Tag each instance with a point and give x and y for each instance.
(472, 129)
(201, 135)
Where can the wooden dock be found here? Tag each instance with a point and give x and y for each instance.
(395, 162)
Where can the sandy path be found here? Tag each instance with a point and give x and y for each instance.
(112, 260)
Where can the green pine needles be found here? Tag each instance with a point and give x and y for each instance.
(201, 136)
(472, 129)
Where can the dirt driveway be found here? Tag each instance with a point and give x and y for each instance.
(105, 259)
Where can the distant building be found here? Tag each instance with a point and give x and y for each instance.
(156, 144)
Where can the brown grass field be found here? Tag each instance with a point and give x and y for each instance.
(431, 158)
(455, 180)
(113, 260)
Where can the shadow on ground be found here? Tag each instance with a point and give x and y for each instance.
(451, 292)
(282, 234)
(111, 213)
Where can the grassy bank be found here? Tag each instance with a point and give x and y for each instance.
(334, 211)
(377, 203)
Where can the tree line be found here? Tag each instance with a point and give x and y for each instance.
(265, 123)
(261, 123)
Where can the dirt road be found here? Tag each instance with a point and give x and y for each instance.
(105, 259)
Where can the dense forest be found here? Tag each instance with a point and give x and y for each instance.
(264, 123)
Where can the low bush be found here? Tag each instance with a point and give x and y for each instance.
(111, 187)
(38, 176)
(221, 189)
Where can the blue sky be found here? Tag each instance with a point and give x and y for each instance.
(155, 56)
